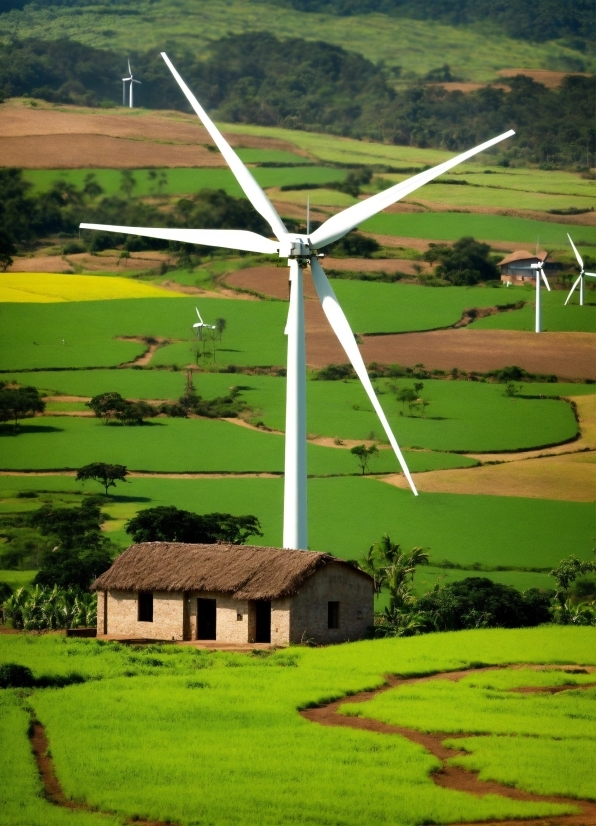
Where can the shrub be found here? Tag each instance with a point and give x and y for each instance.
(13, 675)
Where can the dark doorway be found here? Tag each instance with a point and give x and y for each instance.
(206, 628)
(262, 621)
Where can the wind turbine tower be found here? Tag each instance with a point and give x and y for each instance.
(130, 79)
(301, 251)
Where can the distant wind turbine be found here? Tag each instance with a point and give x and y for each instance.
(130, 79)
(200, 326)
(580, 278)
(301, 251)
(540, 276)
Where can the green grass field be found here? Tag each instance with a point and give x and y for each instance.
(31, 334)
(348, 514)
(183, 181)
(416, 45)
(236, 718)
(449, 226)
(555, 316)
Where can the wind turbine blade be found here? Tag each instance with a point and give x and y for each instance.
(341, 328)
(544, 278)
(337, 226)
(577, 255)
(199, 315)
(129, 69)
(135, 81)
(233, 239)
(575, 283)
(591, 274)
(251, 188)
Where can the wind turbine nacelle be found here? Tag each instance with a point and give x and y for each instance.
(295, 246)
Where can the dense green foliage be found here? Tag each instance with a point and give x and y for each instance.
(107, 475)
(78, 552)
(171, 524)
(256, 78)
(464, 263)
(49, 608)
(521, 19)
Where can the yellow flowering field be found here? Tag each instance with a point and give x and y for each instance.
(41, 287)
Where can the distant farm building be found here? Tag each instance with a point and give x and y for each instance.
(232, 594)
(517, 267)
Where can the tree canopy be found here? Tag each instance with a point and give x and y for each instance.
(170, 524)
(18, 403)
(106, 474)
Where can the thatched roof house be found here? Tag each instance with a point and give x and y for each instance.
(233, 594)
(516, 267)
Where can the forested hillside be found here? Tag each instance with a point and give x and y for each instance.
(523, 19)
(256, 78)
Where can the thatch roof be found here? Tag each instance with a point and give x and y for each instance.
(522, 255)
(243, 571)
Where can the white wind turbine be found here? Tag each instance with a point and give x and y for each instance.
(580, 278)
(200, 326)
(130, 79)
(540, 276)
(300, 251)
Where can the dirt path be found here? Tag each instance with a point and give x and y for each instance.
(455, 777)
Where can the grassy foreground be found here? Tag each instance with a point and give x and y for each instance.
(241, 747)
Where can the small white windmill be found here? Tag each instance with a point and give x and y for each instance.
(580, 278)
(200, 326)
(540, 276)
(130, 79)
(301, 251)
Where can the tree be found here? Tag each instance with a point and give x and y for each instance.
(170, 524)
(405, 395)
(220, 326)
(106, 406)
(18, 403)
(78, 551)
(364, 455)
(7, 248)
(466, 262)
(107, 475)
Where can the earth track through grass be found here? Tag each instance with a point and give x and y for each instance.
(449, 776)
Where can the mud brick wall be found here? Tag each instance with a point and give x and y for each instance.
(123, 609)
(228, 627)
(280, 620)
(334, 583)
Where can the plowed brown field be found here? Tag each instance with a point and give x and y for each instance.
(65, 138)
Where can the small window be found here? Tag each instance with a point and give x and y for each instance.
(358, 615)
(333, 615)
(145, 607)
(239, 617)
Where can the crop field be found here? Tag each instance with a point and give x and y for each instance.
(415, 45)
(449, 226)
(48, 288)
(181, 181)
(31, 334)
(133, 704)
(524, 533)
(555, 316)
(182, 446)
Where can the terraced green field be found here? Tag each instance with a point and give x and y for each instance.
(449, 226)
(555, 316)
(490, 530)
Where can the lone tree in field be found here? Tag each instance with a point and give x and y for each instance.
(106, 475)
(7, 249)
(107, 406)
(364, 454)
(220, 326)
(19, 403)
